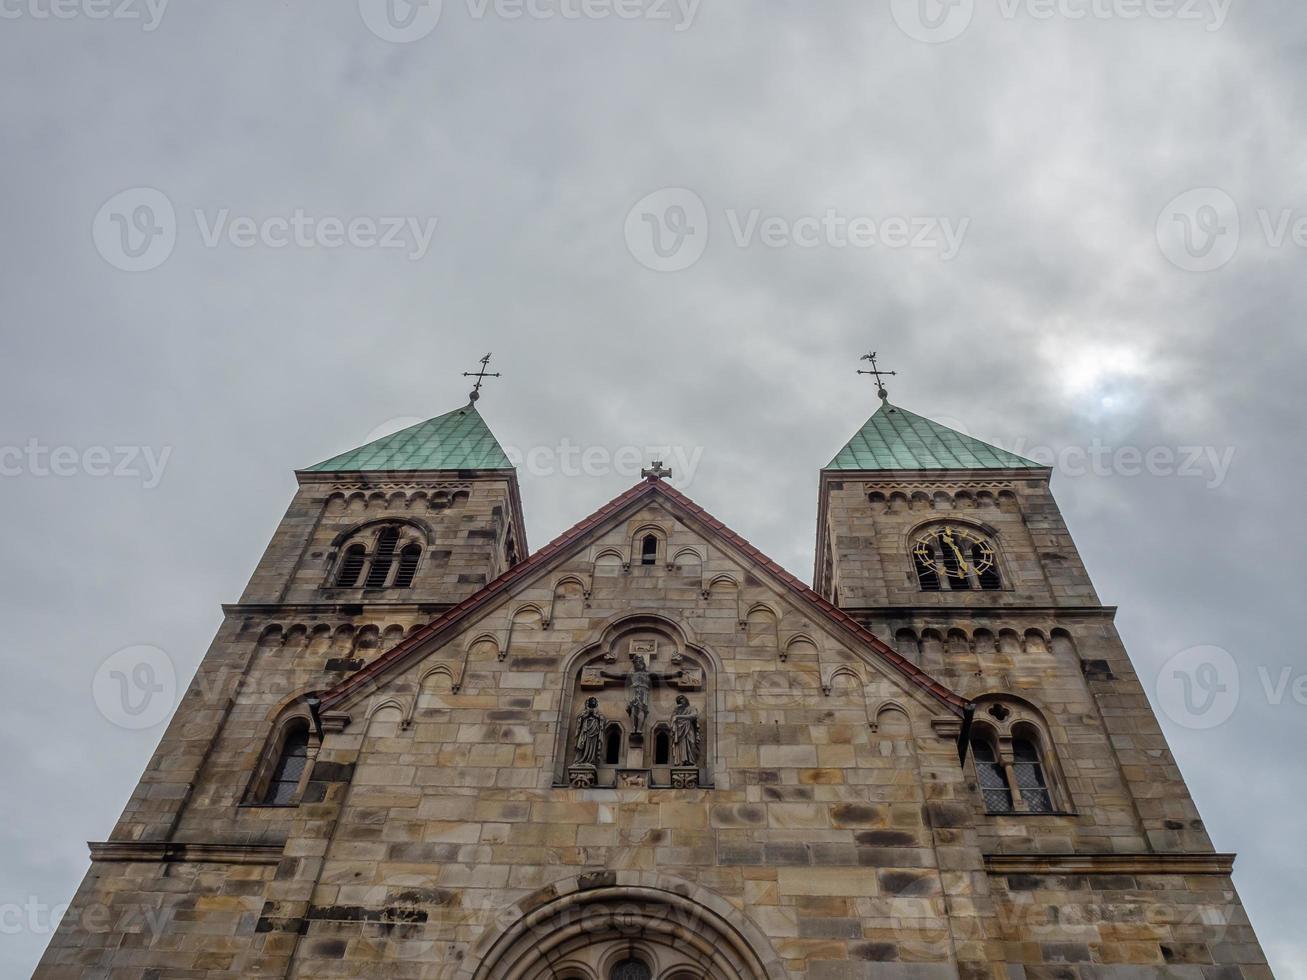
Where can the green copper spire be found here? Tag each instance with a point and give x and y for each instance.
(896, 439)
(459, 440)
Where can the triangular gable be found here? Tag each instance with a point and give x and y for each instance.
(370, 675)
(896, 439)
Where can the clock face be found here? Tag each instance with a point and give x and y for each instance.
(954, 552)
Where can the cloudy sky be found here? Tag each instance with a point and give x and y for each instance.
(239, 238)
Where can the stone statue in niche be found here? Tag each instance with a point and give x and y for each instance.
(685, 733)
(640, 680)
(589, 735)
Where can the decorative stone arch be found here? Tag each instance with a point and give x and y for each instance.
(557, 594)
(501, 650)
(401, 706)
(607, 558)
(795, 642)
(768, 617)
(830, 674)
(887, 706)
(422, 527)
(579, 923)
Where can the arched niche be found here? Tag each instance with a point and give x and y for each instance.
(608, 672)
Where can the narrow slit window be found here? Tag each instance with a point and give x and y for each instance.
(351, 566)
(993, 780)
(1029, 770)
(383, 559)
(285, 782)
(408, 566)
(662, 747)
(613, 745)
(649, 550)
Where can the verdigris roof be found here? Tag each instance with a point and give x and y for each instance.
(896, 439)
(458, 440)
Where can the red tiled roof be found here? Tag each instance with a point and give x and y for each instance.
(646, 488)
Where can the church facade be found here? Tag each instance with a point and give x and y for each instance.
(645, 751)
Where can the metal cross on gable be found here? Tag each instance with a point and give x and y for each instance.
(878, 374)
(480, 376)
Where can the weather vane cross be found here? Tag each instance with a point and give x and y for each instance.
(480, 376)
(878, 374)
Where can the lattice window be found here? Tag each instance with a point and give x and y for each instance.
(993, 779)
(1029, 771)
(284, 785)
(631, 969)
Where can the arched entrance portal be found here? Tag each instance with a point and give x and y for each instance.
(616, 931)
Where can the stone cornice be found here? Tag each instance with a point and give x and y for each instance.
(193, 853)
(973, 611)
(1109, 864)
(328, 608)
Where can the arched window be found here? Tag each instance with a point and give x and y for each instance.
(957, 559)
(351, 566)
(649, 556)
(284, 783)
(992, 774)
(613, 745)
(1029, 771)
(408, 566)
(387, 538)
(662, 746)
(630, 969)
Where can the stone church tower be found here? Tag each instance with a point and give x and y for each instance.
(646, 752)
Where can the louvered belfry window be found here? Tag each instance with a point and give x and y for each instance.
(408, 566)
(383, 559)
(351, 566)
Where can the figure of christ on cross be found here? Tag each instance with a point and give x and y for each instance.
(640, 680)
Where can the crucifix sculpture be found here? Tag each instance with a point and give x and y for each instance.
(480, 376)
(878, 374)
(639, 680)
